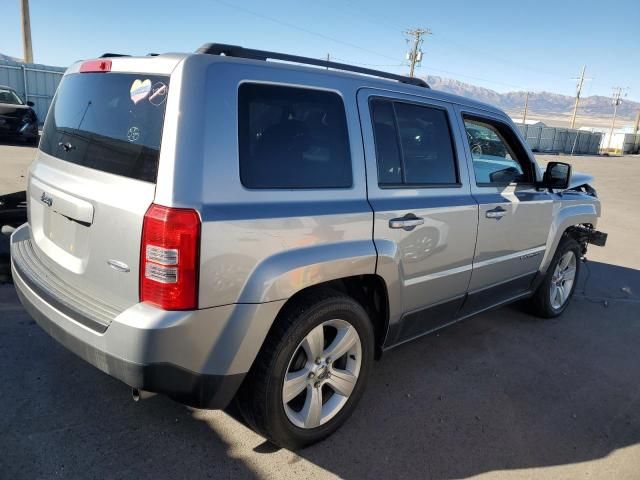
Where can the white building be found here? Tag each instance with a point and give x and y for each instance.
(536, 123)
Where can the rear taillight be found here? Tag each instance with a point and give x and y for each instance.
(95, 66)
(169, 258)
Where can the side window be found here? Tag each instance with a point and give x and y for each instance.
(426, 145)
(413, 145)
(292, 138)
(386, 139)
(497, 159)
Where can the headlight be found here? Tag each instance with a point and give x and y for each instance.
(27, 118)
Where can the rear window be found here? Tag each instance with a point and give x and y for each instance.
(9, 97)
(111, 122)
(292, 138)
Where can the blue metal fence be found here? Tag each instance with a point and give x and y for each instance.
(560, 140)
(34, 82)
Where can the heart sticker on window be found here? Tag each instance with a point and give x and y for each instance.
(139, 90)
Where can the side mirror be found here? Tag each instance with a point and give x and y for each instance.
(556, 176)
(30, 103)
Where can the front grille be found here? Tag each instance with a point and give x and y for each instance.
(77, 305)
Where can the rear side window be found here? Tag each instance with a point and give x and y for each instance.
(108, 121)
(292, 138)
(413, 145)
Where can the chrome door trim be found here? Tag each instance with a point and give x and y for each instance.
(522, 254)
(433, 276)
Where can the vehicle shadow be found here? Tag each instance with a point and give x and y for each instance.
(502, 391)
(12, 142)
(63, 418)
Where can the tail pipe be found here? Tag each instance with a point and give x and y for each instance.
(138, 394)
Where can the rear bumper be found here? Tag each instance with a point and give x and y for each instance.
(196, 389)
(196, 357)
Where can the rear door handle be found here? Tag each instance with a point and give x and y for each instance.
(496, 213)
(408, 222)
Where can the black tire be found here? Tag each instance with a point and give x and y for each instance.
(540, 303)
(260, 398)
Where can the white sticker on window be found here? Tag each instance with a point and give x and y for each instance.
(140, 89)
(158, 94)
(133, 134)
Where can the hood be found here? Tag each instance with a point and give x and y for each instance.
(13, 110)
(578, 179)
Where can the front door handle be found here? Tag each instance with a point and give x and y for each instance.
(496, 213)
(408, 222)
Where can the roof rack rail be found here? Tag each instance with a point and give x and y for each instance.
(241, 52)
(107, 55)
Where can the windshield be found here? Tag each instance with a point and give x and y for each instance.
(9, 97)
(108, 121)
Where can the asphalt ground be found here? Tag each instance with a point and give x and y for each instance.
(502, 395)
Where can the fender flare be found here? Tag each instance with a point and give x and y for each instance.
(564, 217)
(281, 276)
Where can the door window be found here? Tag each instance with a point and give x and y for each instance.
(413, 145)
(497, 159)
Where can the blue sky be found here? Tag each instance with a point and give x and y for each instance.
(503, 45)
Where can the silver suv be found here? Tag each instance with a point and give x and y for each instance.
(220, 225)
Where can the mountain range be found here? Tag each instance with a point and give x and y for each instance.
(8, 58)
(542, 103)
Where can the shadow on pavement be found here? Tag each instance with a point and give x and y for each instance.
(501, 391)
(16, 142)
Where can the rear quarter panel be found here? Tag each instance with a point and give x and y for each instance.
(258, 245)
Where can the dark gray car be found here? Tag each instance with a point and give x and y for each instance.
(18, 120)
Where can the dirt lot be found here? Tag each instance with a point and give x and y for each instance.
(503, 395)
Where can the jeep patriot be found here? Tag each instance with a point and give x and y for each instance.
(238, 224)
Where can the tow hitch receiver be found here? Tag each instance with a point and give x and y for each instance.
(589, 235)
(597, 238)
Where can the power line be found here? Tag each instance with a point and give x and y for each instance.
(358, 10)
(372, 52)
(580, 80)
(301, 29)
(397, 65)
(26, 32)
(526, 107)
(415, 55)
(618, 93)
(466, 48)
(370, 64)
(511, 85)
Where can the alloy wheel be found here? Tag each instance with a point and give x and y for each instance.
(562, 280)
(322, 374)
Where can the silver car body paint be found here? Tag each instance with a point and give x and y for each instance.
(261, 247)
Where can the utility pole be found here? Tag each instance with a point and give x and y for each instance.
(618, 93)
(636, 127)
(26, 32)
(526, 108)
(415, 55)
(578, 92)
(328, 58)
